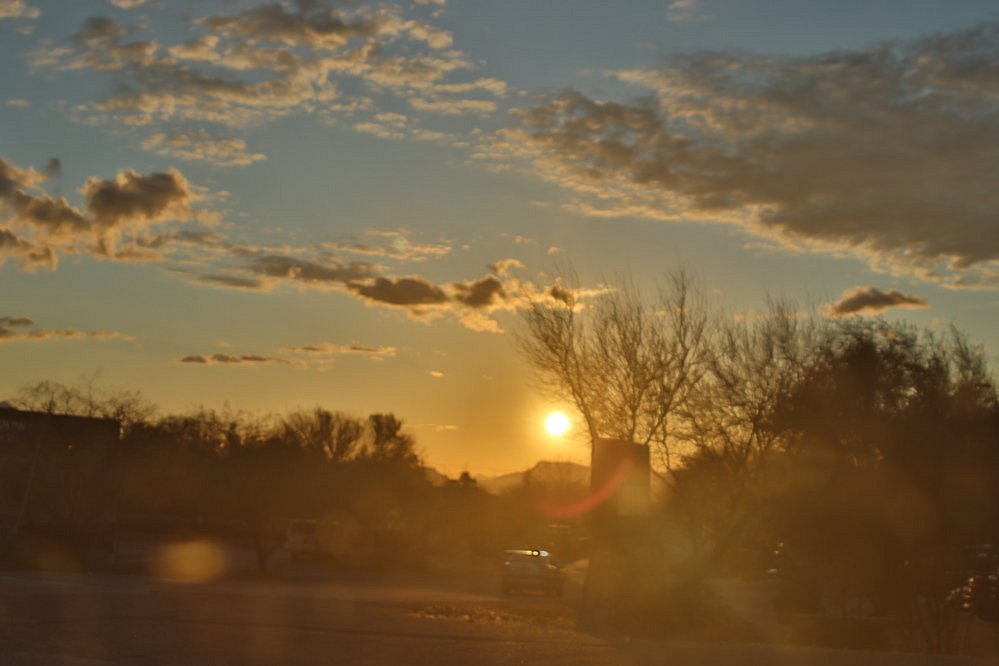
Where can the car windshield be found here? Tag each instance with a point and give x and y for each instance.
(499, 332)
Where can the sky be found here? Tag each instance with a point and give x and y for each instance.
(277, 205)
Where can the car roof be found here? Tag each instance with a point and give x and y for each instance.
(526, 552)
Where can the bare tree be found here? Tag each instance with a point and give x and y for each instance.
(86, 399)
(728, 421)
(337, 435)
(625, 363)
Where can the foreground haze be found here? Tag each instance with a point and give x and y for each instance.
(279, 205)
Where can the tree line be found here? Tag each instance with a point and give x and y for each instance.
(235, 473)
(855, 458)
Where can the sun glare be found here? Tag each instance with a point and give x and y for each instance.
(557, 424)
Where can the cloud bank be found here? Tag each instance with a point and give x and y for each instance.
(888, 153)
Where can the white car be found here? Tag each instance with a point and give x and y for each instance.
(531, 570)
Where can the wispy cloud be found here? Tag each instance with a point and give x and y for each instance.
(202, 147)
(18, 9)
(273, 60)
(394, 245)
(686, 11)
(328, 349)
(23, 329)
(318, 356)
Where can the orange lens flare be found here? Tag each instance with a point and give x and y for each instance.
(595, 498)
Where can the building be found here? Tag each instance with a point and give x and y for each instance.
(57, 472)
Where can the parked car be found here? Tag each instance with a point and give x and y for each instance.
(531, 570)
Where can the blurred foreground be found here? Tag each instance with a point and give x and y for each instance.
(307, 612)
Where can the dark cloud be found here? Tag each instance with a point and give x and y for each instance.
(229, 359)
(15, 322)
(479, 293)
(53, 168)
(887, 151)
(872, 300)
(55, 216)
(99, 28)
(30, 255)
(401, 291)
(309, 23)
(310, 272)
(129, 204)
(132, 197)
(231, 281)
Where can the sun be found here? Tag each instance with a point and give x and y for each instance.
(557, 424)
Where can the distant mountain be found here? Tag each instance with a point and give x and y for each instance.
(547, 472)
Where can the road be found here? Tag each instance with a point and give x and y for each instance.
(83, 619)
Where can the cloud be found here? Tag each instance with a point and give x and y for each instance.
(229, 359)
(685, 11)
(17, 102)
(269, 61)
(315, 356)
(396, 246)
(127, 206)
(18, 9)
(112, 335)
(504, 266)
(452, 107)
(328, 349)
(201, 147)
(436, 374)
(310, 273)
(224, 280)
(410, 292)
(438, 427)
(871, 300)
(479, 293)
(472, 303)
(127, 4)
(882, 152)
(23, 329)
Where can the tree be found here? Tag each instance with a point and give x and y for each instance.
(337, 435)
(728, 419)
(890, 470)
(624, 363)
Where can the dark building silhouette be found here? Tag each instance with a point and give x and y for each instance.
(57, 472)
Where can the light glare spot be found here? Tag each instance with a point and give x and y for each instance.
(557, 424)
